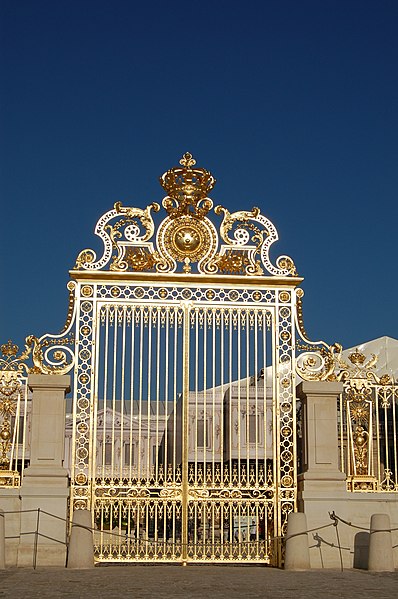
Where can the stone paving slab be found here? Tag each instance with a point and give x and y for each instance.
(169, 581)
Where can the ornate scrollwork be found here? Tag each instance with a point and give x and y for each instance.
(107, 494)
(231, 494)
(174, 493)
(134, 229)
(51, 355)
(253, 234)
(318, 360)
(186, 236)
(198, 494)
(318, 363)
(138, 259)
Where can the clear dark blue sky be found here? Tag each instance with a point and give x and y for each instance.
(292, 105)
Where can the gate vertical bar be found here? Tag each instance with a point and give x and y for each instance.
(185, 439)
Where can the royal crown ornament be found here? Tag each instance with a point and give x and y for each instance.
(186, 188)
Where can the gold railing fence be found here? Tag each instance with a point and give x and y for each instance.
(368, 427)
(14, 416)
(367, 415)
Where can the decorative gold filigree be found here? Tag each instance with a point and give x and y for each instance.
(11, 362)
(241, 220)
(10, 386)
(233, 263)
(318, 363)
(253, 235)
(357, 358)
(41, 362)
(198, 494)
(85, 257)
(71, 306)
(133, 213)
(140, 259)
(12, 368)
(359, 380)
(187, 237)
(361, 372)
(9, 349)
(136, 259)
(363, 484)
(194, 240)
(361, 442)
(230, 493)
(171, 492)
(286, 264)
(187, 189)
(299, 314)
(127, 231)
(388, 483)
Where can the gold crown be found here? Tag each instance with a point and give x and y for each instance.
(9, 349)
(187, 183)
(357, 357)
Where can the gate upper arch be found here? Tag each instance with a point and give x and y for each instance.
(182, 339)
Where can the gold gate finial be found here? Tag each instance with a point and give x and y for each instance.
(186, 188)
(187, 160)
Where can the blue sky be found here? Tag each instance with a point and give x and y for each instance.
(292, 105)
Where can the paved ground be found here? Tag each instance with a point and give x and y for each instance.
(165, 582)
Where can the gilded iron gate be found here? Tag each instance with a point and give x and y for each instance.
(183, 354)
(185, 465)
